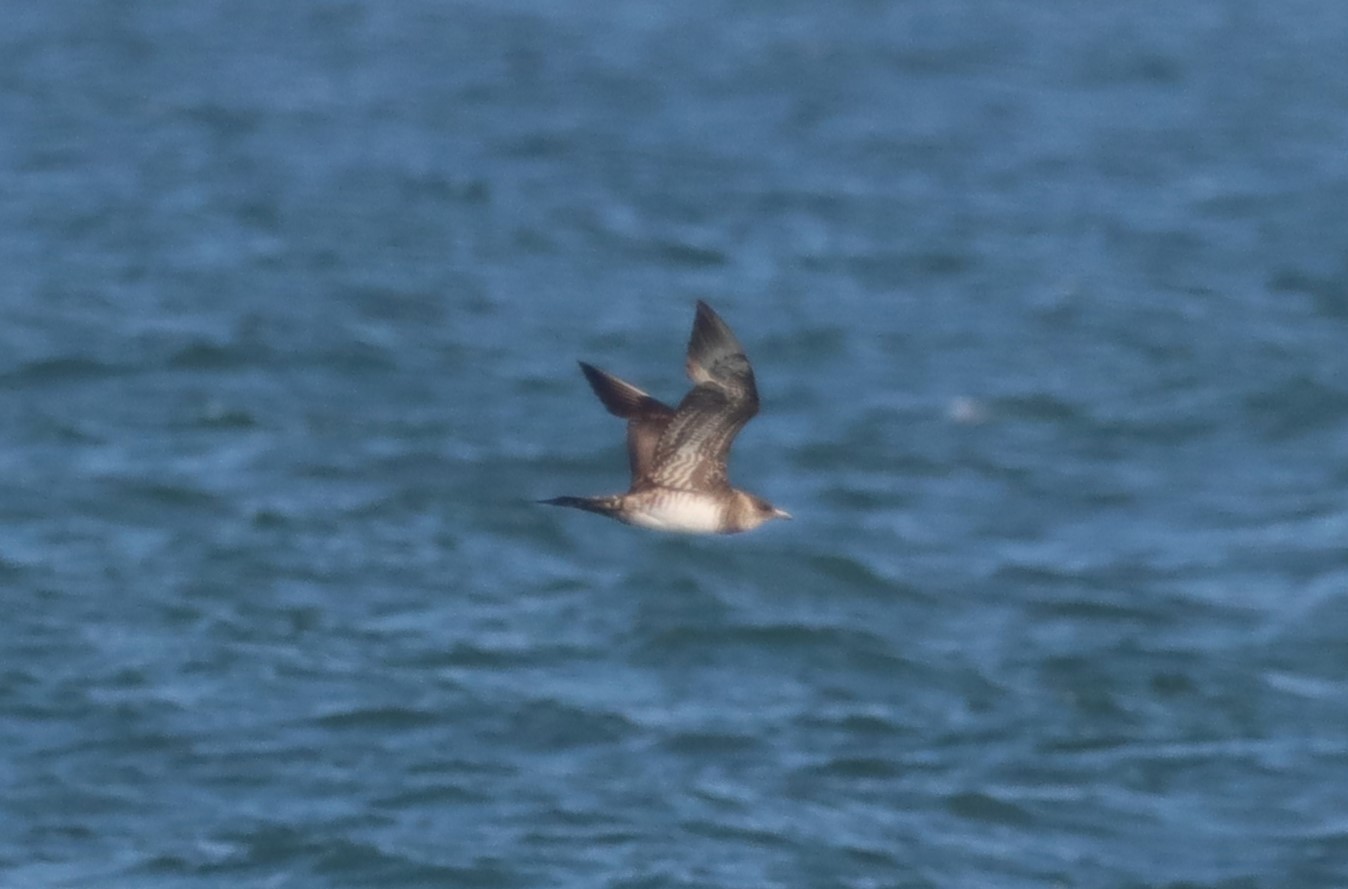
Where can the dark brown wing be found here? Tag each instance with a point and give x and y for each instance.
(646, 417)
(692, 452)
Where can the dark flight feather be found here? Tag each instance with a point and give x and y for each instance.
(692, 453)
(647, 417)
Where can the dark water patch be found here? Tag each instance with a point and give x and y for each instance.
(857, 498)
(51, 430)
(796, 643)
(151, 496)
(711, 744)
(469, 655)
(885, 271)
(1039, 408)
(873, 857)
(1118, 437)
(688, 254)
(431, 796)
(59, 371)
(844, 574)
(375, 864)
(1329, 291)
(582, 818)
(1074, 606)
(182, 865)
(1296, 406)
(329, 855)
(267, 845)
(11, 570)
(382, 718)
(580, 833)
(206, 355)
(870, 727)
(986, 807)
(269, 519)
(132, 731)
(1074, 577)
(814, 347)
(659, 878)
(551, 725)
(1172, 683)
(863, 768)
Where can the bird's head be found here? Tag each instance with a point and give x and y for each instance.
(756, 511)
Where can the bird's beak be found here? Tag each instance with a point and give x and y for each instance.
(780, 513)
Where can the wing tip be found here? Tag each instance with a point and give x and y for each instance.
(711, 340)
(620, 397)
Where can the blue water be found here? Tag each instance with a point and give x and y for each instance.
(1048, 306)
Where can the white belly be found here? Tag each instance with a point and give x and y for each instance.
(680, 511)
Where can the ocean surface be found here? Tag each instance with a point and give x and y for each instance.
(1048, 305)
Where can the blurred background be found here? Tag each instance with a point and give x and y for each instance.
(1048, 305)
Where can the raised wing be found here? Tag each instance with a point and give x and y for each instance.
(692, 452)
(647, 417)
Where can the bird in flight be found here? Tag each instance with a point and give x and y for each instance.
(678, 455)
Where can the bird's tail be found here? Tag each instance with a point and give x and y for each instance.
(602, 505)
